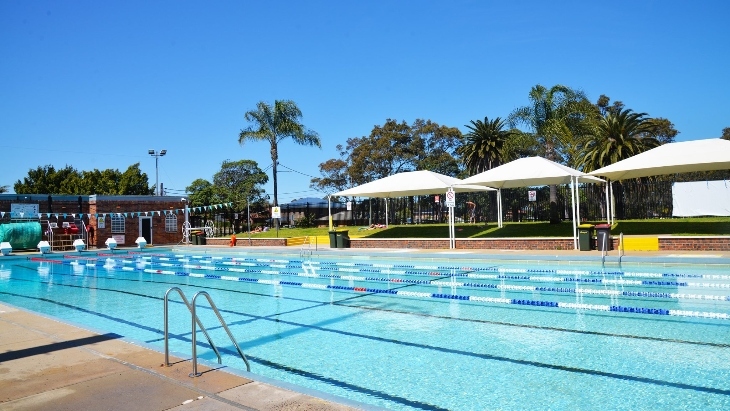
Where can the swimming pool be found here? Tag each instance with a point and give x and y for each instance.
(417, 333)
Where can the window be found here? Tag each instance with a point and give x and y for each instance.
(117, 223)
(171, 223)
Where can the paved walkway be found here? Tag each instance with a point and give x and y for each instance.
(49, 365)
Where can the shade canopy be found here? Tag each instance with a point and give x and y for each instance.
(410, 183)
(527, 172)
(682, 157)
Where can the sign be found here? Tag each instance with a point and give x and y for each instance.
(235, 216)
(119, 238)
(20, 210)
(436, 199)
(349, 206)
(275, 212)
(532, 195)
(450, 199)
(100, 222)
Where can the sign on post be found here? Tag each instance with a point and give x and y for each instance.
(275, 212)
(532, 195)
(450, 199)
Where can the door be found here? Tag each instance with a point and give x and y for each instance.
(145, 228)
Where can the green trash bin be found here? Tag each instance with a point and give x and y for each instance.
(333, 239)
(585, 234)
(201, 239)
(194, 238)
(603, 237)
(343, 239)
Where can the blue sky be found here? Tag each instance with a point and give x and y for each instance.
(97, 84)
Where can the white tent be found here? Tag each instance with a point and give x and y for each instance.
(532, 171)
(682, 157)
(411, 183)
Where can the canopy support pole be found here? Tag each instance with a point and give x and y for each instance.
(386, 212)
(608, 203)
(329, 210)
(499, 208)
(575, 228)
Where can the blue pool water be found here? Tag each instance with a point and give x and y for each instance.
(415, 333)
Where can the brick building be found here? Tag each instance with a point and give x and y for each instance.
(159, 219)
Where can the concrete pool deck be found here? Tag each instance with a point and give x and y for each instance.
(49, 365)
(46, 364)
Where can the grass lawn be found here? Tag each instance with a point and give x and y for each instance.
(678, 226)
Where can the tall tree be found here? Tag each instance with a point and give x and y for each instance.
(619, 136)
(240, 182)
(4, 189)
(556, 116)
(68, 180)
(483, 146)
(273, 124)
(726, 133)
(391, 148)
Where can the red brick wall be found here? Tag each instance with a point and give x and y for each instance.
(261, 242)
(471, 243)
(132, 223)
(694, 243)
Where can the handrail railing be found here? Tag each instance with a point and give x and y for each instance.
(195, 372)
(195, 317)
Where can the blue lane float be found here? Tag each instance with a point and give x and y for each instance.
(542, 304)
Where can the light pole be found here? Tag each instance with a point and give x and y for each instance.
(157, 156)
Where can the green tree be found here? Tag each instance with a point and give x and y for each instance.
(202, 193)
(391, 148)
(558, 118)
(273, 124)
(48, 180)
(335, 176)
(619, 136)
(4, 189)
(726, 133)
(483, 147)
(240, 182)
(68, 180)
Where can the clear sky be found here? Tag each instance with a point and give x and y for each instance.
(96, 84)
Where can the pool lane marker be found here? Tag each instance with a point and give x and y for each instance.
(511, 301)
(501, 287)
(451, 284)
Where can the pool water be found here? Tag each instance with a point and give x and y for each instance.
(417, 334)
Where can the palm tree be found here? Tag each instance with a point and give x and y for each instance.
(620, 135)
(274, 124)
(554, 116)
(482, 149)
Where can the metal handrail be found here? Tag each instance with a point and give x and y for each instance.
(195, 372)
(197, 320)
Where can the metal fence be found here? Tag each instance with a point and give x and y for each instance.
(633, 199)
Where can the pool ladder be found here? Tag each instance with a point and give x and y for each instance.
(196, 321)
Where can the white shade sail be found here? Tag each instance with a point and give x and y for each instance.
(532, 171)
(682, 157)
(410, 183)
(527, 172)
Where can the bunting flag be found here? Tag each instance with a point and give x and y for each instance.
(73, 215)
(2, 213)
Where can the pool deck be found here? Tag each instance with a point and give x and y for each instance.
(46, 364)
(49, 365)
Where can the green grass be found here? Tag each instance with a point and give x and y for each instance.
(684, 226)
